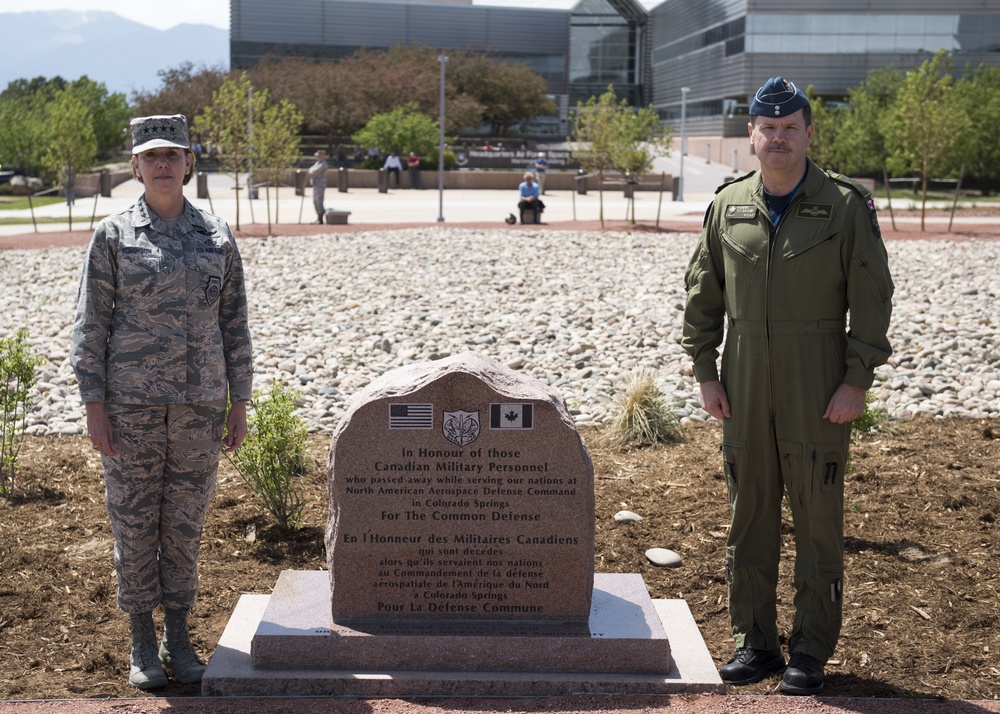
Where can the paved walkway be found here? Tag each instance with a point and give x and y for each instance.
(425, 207)
(368, 206)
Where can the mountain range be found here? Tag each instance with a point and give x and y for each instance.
(123, 54)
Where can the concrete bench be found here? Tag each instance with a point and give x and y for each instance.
(336, 217)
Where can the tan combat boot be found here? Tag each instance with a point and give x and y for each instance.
(176, 650)
(145, 671)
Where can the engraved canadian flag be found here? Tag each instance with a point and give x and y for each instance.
(511, 416)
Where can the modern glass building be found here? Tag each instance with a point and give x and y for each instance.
(579, 52)
(608, 46)
(723, 50)
(331, 29)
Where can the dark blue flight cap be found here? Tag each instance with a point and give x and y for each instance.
(777, 98)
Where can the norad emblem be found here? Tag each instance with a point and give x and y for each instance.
(460, 427)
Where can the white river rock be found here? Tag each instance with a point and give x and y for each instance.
(577, 310)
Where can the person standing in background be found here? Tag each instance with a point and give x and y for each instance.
(541, 166)
(317, 174)
(413, 166)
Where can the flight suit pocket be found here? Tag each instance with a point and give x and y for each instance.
(827, 481)
(696, 269)
(873, 266)
(740, 265)
(734, 462)
(790, 453)
(807, 278)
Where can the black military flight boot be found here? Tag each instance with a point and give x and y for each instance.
(749, 665)
(803, 676)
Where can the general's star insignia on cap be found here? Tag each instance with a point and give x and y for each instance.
(158, 132)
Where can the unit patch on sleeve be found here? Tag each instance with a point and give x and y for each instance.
(873, 217)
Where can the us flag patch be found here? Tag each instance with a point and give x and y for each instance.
(411, 416)
(511, 416)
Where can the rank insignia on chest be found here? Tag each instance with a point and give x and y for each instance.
(822, 211)
(741, 212)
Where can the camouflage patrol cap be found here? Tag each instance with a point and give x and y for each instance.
(777, 98)
(159, 131)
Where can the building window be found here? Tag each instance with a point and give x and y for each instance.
(604, 41)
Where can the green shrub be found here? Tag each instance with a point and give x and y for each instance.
(430, 162)
(642, 416)
(873, 420)
(18, 374)
(273, 453)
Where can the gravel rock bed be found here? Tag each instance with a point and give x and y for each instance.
(580, 311)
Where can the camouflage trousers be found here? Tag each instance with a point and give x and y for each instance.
(158, 487)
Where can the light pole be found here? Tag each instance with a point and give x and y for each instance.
(442, 59)
(680, 183)
(249, 144)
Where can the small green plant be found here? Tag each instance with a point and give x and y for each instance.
(18, 374)
(273, 454)
(873, 420)
(641, 415)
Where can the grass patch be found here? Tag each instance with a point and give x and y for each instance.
(19, 203)
(966, 199)
(642, 416)
(77, 219)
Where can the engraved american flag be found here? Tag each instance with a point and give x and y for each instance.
(411, 416)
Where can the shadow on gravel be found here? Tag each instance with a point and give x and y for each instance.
(892, 700)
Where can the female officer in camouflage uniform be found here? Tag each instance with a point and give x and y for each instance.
(159, 342)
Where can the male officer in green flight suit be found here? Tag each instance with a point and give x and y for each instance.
(785, 255)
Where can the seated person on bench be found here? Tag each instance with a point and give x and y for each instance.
(529, 192)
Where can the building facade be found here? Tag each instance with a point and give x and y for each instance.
(608, 46)
(578, 52)
(723, 50)
(332, 29)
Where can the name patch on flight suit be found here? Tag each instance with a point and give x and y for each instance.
(821, 211)
(741, 212)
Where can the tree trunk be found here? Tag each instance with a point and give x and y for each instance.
(267, 202)
(600, 191)
(237, 189)
(923, 201)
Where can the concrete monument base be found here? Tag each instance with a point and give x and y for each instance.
(286, 644)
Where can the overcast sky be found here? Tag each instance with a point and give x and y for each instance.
(212, 12)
